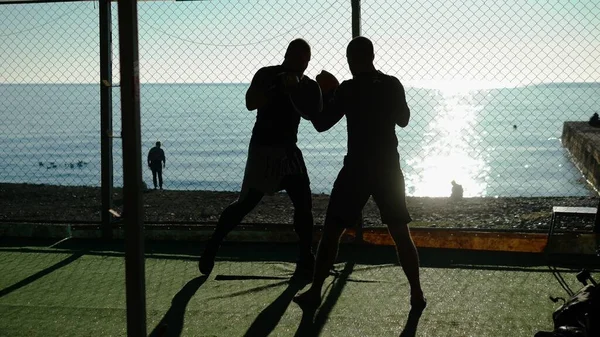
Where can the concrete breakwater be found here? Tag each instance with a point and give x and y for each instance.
(583, 142)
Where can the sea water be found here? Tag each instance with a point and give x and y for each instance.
(494, 142)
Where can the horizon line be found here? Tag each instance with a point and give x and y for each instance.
(419, 84)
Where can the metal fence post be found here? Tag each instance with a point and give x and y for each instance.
(355, 18)
(355, 33)
(597, 220)
(106, 143)
(132, 169)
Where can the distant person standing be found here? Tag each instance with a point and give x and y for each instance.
(156, 162)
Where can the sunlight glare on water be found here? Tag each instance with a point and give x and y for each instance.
(451, 148)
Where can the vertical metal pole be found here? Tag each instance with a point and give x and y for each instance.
(106, 143)
(132, 169)
(597, 229)
(355, 33)
(355, 18)
(597, 220)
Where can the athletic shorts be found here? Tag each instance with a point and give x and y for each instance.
(356, 183)
(266, 167)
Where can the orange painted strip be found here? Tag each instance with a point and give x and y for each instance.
(493, 241)
(507, 241)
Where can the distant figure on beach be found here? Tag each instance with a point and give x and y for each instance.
(156, 162)
(514, 126)
(594, 120)
(457, 191)
(281, 94)
(374, 104)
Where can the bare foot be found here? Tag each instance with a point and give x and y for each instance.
(417, 305)
(207, 260)
(309, 299)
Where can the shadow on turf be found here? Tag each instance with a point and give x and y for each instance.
(40, 274)
(311, 324)
(268, 319)
(411, 325)
(248, 277)
(171, 324)
(361, 254)
(313, 321)
(248, 291)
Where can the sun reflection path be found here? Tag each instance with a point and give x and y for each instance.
(451, 149)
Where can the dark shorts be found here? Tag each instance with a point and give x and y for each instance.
(268, 168)
(356, 183)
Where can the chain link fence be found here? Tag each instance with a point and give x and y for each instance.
(489, 86)
(496, 82)
(48, 105)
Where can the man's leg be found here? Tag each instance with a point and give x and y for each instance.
(409, 260)
(348, 197)
(160, 181)
(298, 189)
(326, 255)
(231, 217)
(389, 195)
(154, 177)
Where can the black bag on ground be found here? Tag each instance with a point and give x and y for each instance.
(579, 316)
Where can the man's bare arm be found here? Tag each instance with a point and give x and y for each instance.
(256, 98)
(401, 108)
(257, 95)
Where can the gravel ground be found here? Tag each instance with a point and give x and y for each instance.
(19, 202)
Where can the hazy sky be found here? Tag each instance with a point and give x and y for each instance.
(420, 41)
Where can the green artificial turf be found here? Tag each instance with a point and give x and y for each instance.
(79, 290)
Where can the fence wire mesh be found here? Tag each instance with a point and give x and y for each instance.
(49, 109)
(505, 76)
(489, 86)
